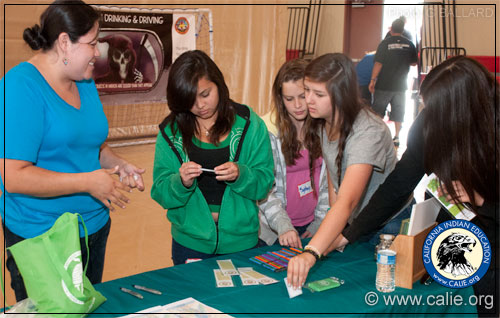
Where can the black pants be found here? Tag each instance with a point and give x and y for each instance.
(485, 290)
(366, 95)
(97, 248)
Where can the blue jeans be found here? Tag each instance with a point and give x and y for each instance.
(180, 253)
(366, 95)
(301, 229)
(392, 227)
(97, 248)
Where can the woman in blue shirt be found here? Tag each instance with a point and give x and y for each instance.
(54, 158)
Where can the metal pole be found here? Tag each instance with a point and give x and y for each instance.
(318, 5)
(443, 22)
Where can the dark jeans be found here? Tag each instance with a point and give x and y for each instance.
(366, 95)
(301, 229)
(97, 248)
(180, 253)
(486, 290)
(391, 227)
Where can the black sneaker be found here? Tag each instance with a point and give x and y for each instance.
(395, 140)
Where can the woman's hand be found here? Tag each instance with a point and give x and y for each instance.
(228, 171)
(103, 187)
(189, 171)
(290, 238)
(131, 176)
(298, 268)
(462, 195)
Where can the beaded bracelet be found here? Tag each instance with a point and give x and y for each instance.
(313, 251)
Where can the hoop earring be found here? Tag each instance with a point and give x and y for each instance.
(65, 61)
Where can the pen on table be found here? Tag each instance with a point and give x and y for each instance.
(149, 290)
(131, 292)
(208, 170)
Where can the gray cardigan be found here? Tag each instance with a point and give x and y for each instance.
(273, 217)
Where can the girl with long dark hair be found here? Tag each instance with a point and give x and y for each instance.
(456, 137)
(213, 161)
(461, 146)
(356, 146)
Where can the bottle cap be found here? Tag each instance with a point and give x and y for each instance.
(386, 237)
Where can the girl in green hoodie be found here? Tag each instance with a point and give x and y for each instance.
(213, 161)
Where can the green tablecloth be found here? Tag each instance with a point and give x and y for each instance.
(355, 266)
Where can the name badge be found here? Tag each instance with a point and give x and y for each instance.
(305, 188)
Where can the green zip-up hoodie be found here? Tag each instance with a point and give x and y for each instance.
(188, 211)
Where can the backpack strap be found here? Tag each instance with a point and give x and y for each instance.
(244, 112)
(86, 241)
(162, 127)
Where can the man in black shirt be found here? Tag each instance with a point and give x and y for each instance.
(393, 59)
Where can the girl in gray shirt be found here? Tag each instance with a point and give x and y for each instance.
(356, 145)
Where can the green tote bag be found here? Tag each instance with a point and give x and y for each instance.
(51, 267)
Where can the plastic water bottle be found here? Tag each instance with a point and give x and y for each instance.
(386, 267)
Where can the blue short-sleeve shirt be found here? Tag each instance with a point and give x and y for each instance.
(40, 127)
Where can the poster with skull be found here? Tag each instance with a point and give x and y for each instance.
(135, 48)
(125, 63)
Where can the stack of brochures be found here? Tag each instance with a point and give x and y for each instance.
(424, 214)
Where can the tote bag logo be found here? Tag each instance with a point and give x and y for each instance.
(456, 254)
(74, 264)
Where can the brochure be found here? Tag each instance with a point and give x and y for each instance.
(458, 211)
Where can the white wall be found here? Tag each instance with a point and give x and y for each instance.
(476, 27)
(331, 28)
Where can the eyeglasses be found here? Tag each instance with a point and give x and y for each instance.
(93, 44)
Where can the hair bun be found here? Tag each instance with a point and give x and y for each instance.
(34, 38)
